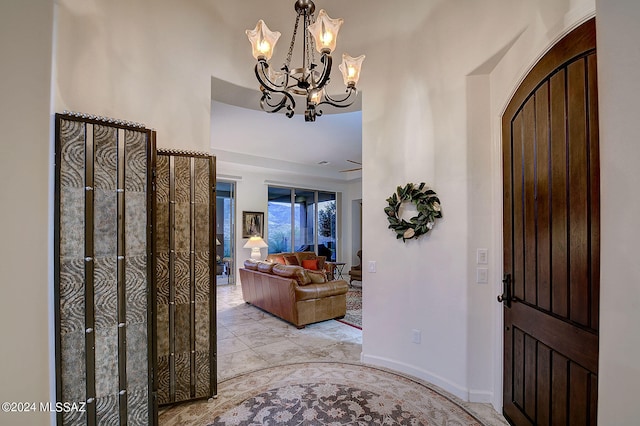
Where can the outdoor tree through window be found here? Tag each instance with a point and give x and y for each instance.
(302, 220)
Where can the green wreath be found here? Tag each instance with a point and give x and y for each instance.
(428, 206)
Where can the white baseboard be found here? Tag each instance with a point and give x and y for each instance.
(480, 396)
(449, 386)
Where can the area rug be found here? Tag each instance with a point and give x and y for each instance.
(323, 394)
(354, 308)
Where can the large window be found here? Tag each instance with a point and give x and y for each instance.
(302, 220)
(225, 236)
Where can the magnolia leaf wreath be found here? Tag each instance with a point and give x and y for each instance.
(427, 204)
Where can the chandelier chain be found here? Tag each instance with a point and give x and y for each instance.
(293, 42)
(311, 57)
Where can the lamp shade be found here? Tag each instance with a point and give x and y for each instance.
(325, 32)
(263, 40)
(255, 244)
(218, 243)
(350, 69)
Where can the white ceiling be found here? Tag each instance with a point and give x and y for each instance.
(334, 138)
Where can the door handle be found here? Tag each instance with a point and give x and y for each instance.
(506, 296)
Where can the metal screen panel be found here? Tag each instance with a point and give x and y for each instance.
(102, 272)
(185, 276)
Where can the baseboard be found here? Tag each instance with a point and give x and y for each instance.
(449, 386)
(480, 396)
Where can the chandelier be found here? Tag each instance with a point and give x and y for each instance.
(278, 87)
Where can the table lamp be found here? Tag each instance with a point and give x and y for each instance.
(255, 243)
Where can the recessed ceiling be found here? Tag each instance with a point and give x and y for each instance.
(325, 147)
(334, 138)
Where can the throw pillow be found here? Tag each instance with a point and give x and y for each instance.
(310, 264)
(291, 260)
(278, 259)
(317, 277)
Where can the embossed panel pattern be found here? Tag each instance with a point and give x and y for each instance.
(102, 279)
(185, 296)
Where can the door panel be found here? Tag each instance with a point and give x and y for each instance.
(551, 238)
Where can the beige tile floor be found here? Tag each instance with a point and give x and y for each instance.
(250, 339)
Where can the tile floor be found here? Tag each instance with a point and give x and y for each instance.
(250, 339)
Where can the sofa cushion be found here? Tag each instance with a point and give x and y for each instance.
(276, 259)
(266, 267)
(316, 291)
(291, 260)
(317, 276)
(311, 264)
(251, 264)
(292, 271)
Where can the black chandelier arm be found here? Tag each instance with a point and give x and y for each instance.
(326, 72)
(348, 100)
(261, 74)
(286, 101)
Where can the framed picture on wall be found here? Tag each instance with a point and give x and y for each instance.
(252, 224)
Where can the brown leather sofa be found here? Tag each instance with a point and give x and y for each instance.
(293, 293)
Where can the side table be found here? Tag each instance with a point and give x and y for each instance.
(336, 269)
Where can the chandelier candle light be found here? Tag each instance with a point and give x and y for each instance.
(278, 87)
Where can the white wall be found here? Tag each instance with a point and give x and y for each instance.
(140, 61)
(619, 90)
(26, 39)
(421, 130)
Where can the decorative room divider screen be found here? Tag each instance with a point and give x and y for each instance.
(185, 349)
(103, 275)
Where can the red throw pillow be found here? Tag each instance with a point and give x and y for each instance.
(310, 264)
(278, 259)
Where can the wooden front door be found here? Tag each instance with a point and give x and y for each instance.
(551, 238)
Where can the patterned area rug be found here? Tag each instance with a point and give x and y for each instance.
(324, 394)
(354, 308)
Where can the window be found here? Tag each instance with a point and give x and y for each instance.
(302, 220)
(327, 223)
(225, 236)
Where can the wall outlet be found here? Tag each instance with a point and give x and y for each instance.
(416, 336)
(372, 266)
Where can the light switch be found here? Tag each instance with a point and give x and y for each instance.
(482, 256)
(482, 275)
(416, 336)
(372, 266)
